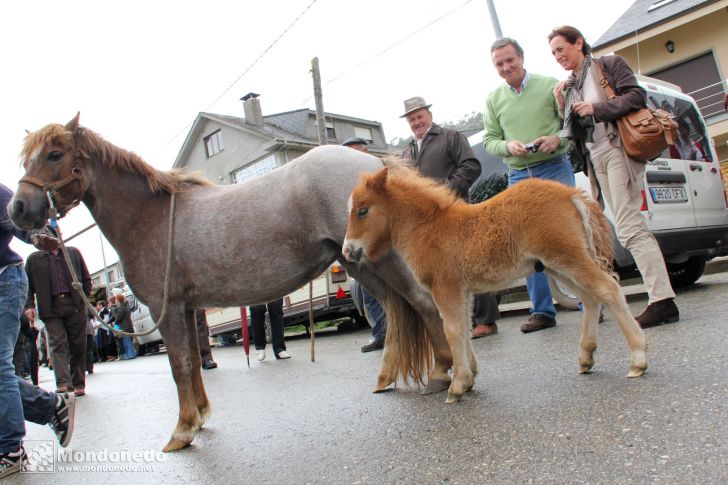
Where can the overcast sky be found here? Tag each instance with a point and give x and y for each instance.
(140, 71)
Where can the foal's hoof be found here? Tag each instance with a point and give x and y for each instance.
(452, 399)
(584, 369)
(176, 444)
(435, 385)
(636, 372)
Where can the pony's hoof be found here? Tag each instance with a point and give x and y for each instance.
(176, 444)
(382, 385)
(435, 385)
(205, 414)
(585, 369)
(452, 399)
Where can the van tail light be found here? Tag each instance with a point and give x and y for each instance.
(644, 201)
(725, 188)
(340, 293)
(338, 274)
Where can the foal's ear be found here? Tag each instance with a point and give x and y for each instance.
(376, 182)
(73, 124)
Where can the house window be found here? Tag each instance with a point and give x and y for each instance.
(698, 77)
(330, 133)
(112, 274)
(213, 143)
(363, 132)
(255, 169)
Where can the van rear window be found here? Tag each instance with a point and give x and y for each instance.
(693, 142)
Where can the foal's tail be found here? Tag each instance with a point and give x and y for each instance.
(597, 229)
(409, 347)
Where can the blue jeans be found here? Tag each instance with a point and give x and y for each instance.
(559, 169)
(13, 293)
(129, 350)
(377, 314)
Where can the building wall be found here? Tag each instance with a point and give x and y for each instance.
(708, 33)
(240, 149)
(344, 128)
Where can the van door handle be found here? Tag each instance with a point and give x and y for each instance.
(696, 166)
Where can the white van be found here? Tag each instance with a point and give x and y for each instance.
(141, 319)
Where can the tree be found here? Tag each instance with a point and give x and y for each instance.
(472, 121)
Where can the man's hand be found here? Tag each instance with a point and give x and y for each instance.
(548, 144)
(30, 314)
(44, 242)
(516, 148)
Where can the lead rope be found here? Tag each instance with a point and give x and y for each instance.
(79, 287)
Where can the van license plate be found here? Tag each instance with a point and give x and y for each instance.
(662, 195)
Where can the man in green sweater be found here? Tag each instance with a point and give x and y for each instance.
(521, 125)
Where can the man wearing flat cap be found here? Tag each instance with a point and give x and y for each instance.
(445, 155)
(357, 143)
(375, 313)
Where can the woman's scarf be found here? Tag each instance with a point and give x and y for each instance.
(575, 126)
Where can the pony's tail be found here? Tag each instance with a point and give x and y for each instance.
(409, 349)
(597, 229)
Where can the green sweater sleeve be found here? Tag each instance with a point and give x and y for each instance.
(493, 139)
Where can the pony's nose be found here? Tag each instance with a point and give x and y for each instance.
(17, 208)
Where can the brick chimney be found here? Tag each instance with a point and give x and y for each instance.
(251, 108)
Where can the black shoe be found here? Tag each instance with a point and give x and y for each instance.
(537, 322)
(376, 345)
(663, 311)
(12, 462)
(62, 421)
(209, 364)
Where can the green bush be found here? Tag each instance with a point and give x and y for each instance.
(489, 187)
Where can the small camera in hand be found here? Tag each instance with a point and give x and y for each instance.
(531, 147)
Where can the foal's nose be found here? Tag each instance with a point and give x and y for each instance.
(349, 254)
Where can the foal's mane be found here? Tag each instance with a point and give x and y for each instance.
(113, 157)
(404, 179)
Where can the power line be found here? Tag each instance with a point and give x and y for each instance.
(392, 46)
(272, 44)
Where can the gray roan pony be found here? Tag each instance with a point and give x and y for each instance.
(231, 245)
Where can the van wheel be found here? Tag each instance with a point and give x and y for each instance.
(563, 295)
(687, 273)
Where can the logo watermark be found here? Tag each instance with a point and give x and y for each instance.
(46, 457)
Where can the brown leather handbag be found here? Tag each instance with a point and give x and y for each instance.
(645, 133)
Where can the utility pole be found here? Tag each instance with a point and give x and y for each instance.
(494, 20)
(318, 97)
(322, 139)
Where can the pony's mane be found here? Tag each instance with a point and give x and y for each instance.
(404, 177)
(115, 158)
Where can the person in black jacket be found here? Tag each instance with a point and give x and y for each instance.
(62, 310)
(445, 155)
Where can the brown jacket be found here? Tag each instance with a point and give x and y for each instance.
(39, 281)
(630, 95)
(446, 157)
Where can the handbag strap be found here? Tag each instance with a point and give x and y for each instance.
(608, 89)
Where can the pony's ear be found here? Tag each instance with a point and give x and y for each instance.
(376, 182)
(72, 125)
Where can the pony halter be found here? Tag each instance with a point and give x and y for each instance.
(51, 189)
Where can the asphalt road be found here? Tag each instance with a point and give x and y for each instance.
(530, 418)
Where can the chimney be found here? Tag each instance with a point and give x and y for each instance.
(251, 108)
